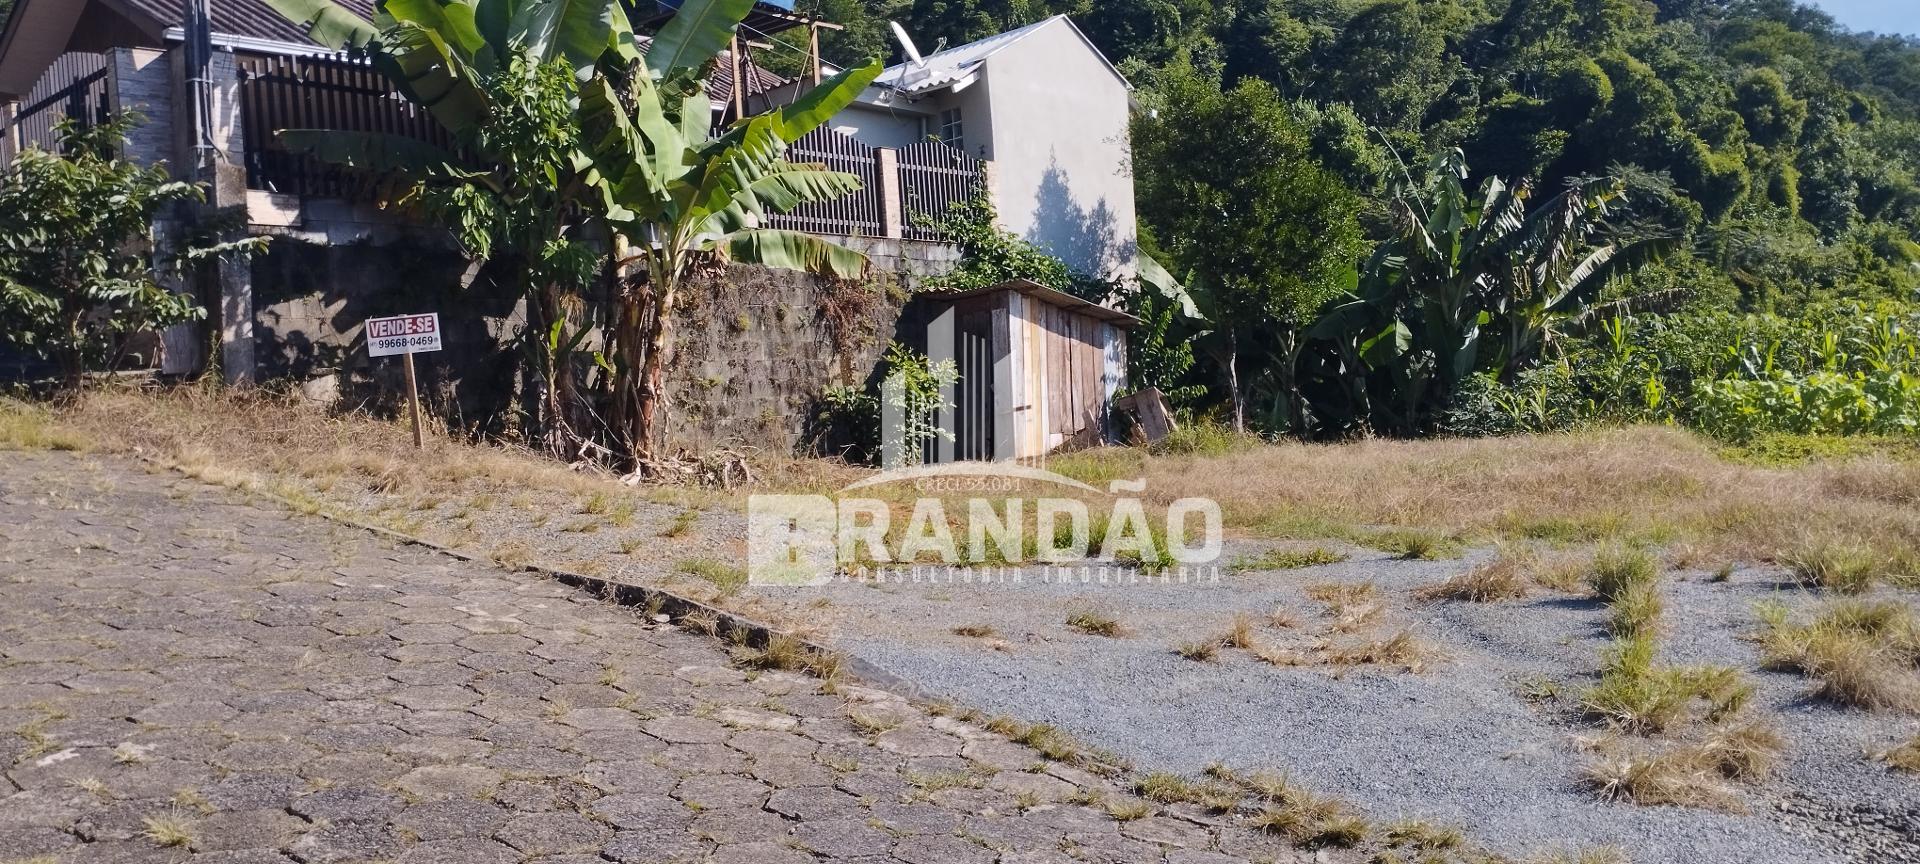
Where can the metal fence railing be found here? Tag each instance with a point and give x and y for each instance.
(74, 86)
(933, 178)
(335, 93)
(340, 93)
(859, 214)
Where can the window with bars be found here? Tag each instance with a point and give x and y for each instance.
(951, 132)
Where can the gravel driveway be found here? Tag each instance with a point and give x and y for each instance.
(1460, 741)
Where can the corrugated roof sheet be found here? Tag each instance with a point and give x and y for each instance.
(953, 64)
(250, 18)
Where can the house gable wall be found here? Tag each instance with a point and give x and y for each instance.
(1058, 127)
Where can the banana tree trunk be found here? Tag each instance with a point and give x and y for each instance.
(1290, 345)
(633, 295)
(653, 367)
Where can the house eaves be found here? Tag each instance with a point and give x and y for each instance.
(955, 68)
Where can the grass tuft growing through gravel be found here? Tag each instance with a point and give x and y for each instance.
(1290, 559)
(729, 578)
(1095, 623)
(1638, 695)
(1903, 757)
(1503, 578)
(1862, 652)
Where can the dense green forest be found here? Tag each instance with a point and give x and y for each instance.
(1760, 159)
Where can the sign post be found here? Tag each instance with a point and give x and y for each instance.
(406, 335)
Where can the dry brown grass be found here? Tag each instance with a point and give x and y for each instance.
(1239, 634)
(1572, 488)
(168, 830)
(1351, 607)
(1503, 578)
(1643, 483)
(1903, 757)
(1684, 775)
(1199, 651)
(1094, 622)
(1304, 818)
(1402, 649)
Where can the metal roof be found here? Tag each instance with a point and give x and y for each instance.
(1045, 295)
(955, 64)
(250, 19)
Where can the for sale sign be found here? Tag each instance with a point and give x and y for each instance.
(403, 334)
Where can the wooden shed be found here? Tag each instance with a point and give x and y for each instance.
(1039, 369)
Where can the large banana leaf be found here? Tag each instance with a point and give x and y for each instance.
(453, 20)
(819, 105)
(327, 24)
(789, 186)
(636, 155)
(370, 151)
(430, 73)
(1154, 275)
(791, 250)
(781, 190)
(695, 34)
(1583, 285)
(579, 30)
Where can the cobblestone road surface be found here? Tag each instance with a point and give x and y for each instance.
(188, 676)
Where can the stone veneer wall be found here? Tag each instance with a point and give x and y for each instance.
(756, 347)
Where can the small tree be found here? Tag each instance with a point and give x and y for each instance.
(78, 276)
(1261, 233)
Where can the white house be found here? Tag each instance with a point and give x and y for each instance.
(1048, 110)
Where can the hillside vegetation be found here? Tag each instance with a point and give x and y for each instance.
(1764, 159)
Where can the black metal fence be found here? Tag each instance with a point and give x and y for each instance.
(933, 178)
(862, 213)
(339, 93)
(334, 93)
(74, 86)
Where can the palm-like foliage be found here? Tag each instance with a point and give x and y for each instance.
(1476, 284)
(683, 191)
(647, 159)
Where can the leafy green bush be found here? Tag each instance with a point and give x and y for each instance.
(77, 274)
(1820, 403)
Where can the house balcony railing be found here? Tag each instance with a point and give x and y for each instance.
(74, 87)
(902, 190)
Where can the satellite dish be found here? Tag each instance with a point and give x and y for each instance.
(913, 54)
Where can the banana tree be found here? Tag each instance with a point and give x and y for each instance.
(501, 77)
(1475, 284)
(680, 194)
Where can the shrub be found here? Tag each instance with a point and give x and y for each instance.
(77, 273)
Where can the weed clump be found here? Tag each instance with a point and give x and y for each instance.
(1503, 578)
(1095, 623)
(1862, 652)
